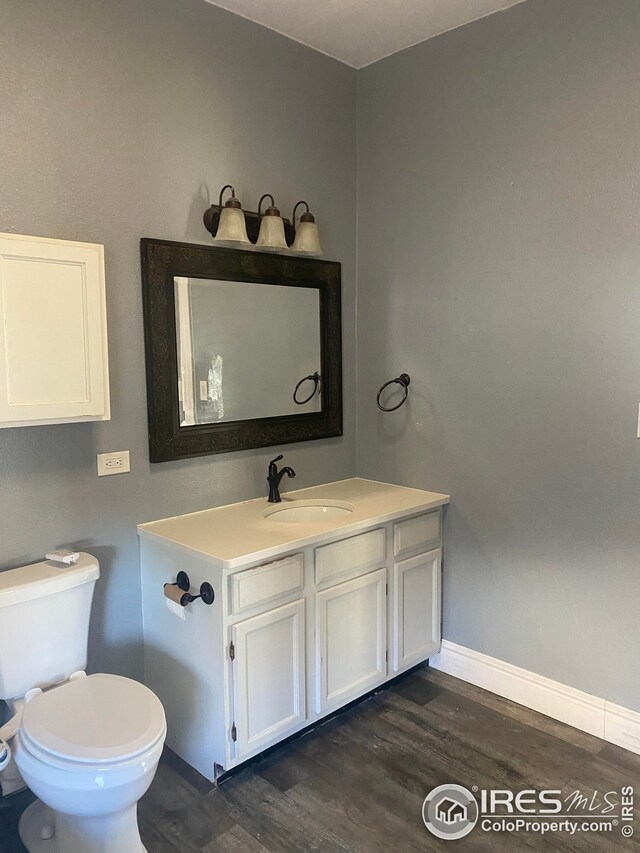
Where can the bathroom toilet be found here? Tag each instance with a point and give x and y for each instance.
(88, 746)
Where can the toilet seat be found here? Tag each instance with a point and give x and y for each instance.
(105, 719)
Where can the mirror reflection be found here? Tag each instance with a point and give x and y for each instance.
(246, 350)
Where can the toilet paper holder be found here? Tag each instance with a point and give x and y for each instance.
(179, 591)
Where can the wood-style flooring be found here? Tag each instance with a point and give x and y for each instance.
(358, 782)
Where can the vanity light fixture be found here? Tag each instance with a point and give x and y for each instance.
(271, 235)
(244, 229)
(232, 229)
(307, 240)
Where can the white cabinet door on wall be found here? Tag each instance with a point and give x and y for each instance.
(268, 676)
(53, 334)
(416, 609)
(351, 639)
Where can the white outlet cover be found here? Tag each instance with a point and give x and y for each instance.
(117, 462)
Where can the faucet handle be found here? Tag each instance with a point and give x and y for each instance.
(277, 459)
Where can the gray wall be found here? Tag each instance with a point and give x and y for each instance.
(119, 119)
(499, 257)
(499, 265)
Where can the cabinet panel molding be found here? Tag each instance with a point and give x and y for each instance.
(349, 556)
(266, 583)
(416, 533)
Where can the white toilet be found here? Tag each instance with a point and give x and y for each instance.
(87, 746)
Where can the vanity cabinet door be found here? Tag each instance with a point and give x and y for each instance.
(268, 677)
(351, 639)
(416, 609)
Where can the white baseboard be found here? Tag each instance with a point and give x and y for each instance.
(622, 727)
(578, 709)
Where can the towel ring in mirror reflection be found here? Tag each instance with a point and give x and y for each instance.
(313, 377)
(403, 380)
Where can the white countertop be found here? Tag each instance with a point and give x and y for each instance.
(237, 534)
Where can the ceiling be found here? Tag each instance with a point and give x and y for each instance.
(359, 32)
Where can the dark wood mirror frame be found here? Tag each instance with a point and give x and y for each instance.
(162, 260)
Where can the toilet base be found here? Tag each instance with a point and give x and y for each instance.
(33, 819)
(38, 817)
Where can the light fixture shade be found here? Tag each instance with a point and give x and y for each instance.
(232, 227)
(271, 235)
(307, 241)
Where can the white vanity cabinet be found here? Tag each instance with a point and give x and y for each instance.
(297, 630)
(53, 332)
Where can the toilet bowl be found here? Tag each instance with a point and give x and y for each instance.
(88, 749)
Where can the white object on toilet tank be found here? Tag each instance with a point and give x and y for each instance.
(44, 623)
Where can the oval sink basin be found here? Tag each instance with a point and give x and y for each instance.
(308, 511)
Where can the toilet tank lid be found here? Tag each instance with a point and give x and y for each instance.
(46, 578)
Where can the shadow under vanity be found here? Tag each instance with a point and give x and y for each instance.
(318, 600)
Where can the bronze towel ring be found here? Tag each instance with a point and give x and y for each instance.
(403, 380)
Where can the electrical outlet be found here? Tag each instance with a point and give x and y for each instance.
(113, 463)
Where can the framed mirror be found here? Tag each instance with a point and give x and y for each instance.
(243, 349)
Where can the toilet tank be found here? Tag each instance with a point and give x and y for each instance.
(44, 623)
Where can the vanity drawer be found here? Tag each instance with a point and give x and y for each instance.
(266, 583)
(349, 556)
(421, 531)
